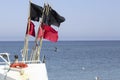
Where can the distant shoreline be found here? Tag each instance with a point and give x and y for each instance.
(66, 41)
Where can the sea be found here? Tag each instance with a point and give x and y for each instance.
(75, 60)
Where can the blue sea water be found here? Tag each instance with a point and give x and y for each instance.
(75, 60)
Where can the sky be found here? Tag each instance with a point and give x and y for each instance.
(85, 19)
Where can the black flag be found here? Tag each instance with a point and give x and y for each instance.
(56, 19)
(51, 17)
(35, 12)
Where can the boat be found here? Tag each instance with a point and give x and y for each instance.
(31, 67)
(33, 70)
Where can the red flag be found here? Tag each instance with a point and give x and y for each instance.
(40, 33)
(49, 33)
(31, 30)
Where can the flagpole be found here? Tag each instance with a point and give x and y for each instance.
(25, 50)
(41, 39)
(46, 11)
(29, 19)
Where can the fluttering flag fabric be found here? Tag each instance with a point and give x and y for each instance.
(51, 17)
(47, 32)
(56, 19)
(35, 12)
(31, 29)
(50, 33)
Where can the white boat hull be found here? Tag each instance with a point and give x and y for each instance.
(34, 71)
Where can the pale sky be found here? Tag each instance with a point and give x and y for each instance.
(85, 19)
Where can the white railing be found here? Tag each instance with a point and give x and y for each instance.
(5, 58)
